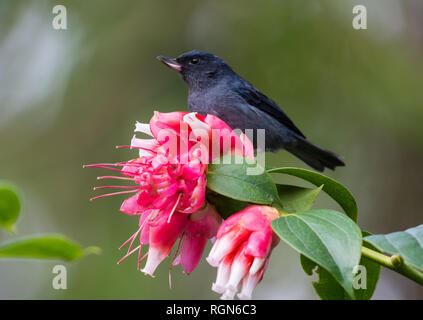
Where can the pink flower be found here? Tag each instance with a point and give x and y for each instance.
(242, 250)
(219, 138)
(161, 239)
(181, 135)
(193, 230)
(202, 225)
(161, 184)
(169, 182)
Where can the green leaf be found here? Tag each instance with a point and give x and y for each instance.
(9, 205)
(297, 199)
(329, 289)
(326, 287)
(52, 246)
(408, 244)
(224, 205)
(232, 180)
(333, 188)
(328, 238)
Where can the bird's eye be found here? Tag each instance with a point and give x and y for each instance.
(194, 60)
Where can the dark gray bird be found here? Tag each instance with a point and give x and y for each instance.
(214, 88)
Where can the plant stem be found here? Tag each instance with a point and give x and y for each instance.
(395, 263)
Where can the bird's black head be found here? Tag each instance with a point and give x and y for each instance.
(198, 69)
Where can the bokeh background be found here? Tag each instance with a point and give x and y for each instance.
(68, 97)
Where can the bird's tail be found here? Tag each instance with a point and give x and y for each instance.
(316, 157)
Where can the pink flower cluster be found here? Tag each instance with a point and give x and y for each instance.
(169, 184)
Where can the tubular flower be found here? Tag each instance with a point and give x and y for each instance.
(202, 225)
(161, 238)
(169, 183)
(193, 230)
(242, 250)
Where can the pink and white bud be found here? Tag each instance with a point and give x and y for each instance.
(242, 250)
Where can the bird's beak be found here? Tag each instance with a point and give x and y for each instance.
(171, 63)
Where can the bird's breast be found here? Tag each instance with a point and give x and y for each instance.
(213, 101)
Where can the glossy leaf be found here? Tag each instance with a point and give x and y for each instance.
(53, 246)
(9, 205)
(231, 180)
(329, 289)
(297, 199)
(326, 286)
(328, 238)
(408, 244)
(333, 188)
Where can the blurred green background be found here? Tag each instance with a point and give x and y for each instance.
(68, 97)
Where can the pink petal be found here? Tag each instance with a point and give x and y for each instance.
(192, 248)
(165, 234)
(240, 268)
(226, 244)
(223, 274)
(259, 243)
(131, 206)
(145, 234)
(161, 240)
(204, 222)
(170, 121)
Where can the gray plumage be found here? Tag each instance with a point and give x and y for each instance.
(214, 88)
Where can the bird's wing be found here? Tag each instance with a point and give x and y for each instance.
(256, 99)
